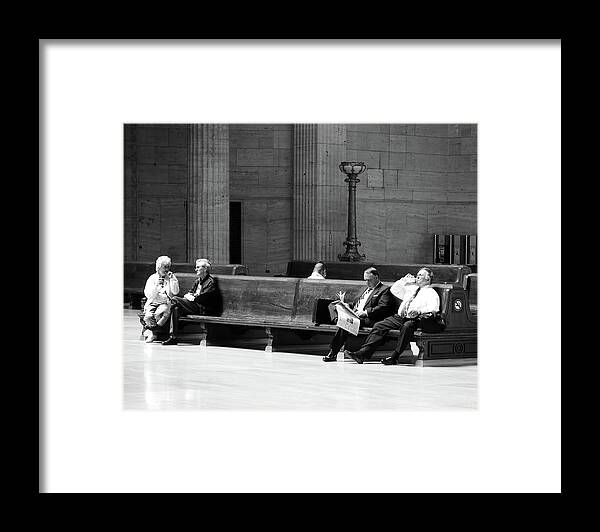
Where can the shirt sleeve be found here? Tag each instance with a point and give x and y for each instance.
(150, 288)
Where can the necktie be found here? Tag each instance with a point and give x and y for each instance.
(363, 297)
(405, 309)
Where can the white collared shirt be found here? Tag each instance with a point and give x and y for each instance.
(157, 291)
(427, 300)
(363, 299)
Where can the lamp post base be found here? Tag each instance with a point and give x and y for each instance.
(351, 257)
(351, 254)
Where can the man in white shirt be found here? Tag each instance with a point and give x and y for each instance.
(418, 308)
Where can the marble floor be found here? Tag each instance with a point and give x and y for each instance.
(186, 377)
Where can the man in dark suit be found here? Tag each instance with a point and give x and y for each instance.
(375, 303)
(203, 298)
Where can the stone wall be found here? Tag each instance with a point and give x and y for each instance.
(155, 192)
(260, 171)
(421, 179)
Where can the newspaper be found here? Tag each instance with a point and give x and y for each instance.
(347, 319)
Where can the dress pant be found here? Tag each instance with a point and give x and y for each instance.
(181, 307)
(406, 327)
(341, 335)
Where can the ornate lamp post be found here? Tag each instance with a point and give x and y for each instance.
(352, 170)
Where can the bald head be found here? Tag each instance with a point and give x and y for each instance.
(320, 268)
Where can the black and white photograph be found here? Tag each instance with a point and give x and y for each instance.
(302, 266)
(239, 238)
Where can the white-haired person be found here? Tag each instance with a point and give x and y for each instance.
(203, 298)
(160, 288)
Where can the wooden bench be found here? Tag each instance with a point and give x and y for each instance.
(135, 275)
(442, 273)
(270, 303)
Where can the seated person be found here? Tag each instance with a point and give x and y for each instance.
(203, 298)
(160, 288)
(375, 303)
(419, 308)
(319, 271)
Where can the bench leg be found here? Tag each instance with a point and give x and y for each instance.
(203, 334)
(419, 352)
(415, 349)
(269, 347)
(423, 347)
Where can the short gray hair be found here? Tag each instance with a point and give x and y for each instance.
(204, 262)
(163, 260)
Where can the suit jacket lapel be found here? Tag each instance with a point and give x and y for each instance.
(376, 289)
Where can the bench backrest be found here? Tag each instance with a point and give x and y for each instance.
(136, 273)
(291, 300)
(308, 291)
(443, 273)
(249, 297)
(454, 305)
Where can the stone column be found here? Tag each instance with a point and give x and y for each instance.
(208, 193)
(320, 193)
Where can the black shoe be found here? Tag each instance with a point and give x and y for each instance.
(330, 357)
(171, 340)
(389, 361)
(356, 356)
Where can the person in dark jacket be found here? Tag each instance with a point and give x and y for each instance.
(203, 298)
(374, 304)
